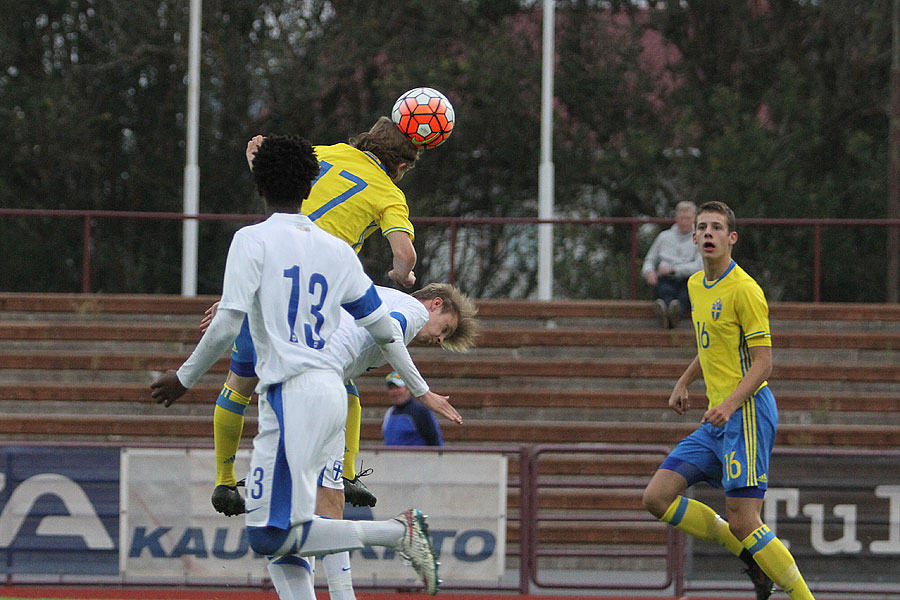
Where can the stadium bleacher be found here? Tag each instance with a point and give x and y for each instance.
(592, 371)
(78, 367)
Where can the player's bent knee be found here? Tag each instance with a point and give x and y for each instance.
(267, 540)
(330, 503)
(741, 527)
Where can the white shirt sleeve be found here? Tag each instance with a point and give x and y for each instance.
(397, 355)
(360, 298)
(215, 342)
(243, 272)
(381, 329)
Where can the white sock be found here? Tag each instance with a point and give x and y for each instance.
(340, 581)
(291, 578)
(326, 536)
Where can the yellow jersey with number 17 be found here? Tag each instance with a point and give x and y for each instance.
(730, 315)
(354, 196)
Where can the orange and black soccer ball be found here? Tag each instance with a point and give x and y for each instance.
(425, 115)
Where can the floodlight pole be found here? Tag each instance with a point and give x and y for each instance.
(191, 170)
(545, 171)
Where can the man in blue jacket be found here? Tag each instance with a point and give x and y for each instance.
(408, 422)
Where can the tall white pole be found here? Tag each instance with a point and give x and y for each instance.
(191, 170)
(545, 171)
(892, 283)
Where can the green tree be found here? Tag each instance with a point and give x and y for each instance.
(778, 107)
(793, 99)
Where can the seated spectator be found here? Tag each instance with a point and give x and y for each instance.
(671, 260)
(408, 422)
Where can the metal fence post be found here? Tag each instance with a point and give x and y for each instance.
(86, 255)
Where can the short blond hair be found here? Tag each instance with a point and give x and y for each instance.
(458, 303)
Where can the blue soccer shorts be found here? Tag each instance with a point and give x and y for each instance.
(734, 457)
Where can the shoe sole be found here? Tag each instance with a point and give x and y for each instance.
(420, 528)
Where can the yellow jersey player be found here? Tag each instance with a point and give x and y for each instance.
(354, 195)
(731, 449)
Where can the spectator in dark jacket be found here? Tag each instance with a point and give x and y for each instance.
(408, 422)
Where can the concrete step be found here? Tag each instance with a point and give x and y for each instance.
(641, 405)
(137, 428)
(469, 398)
(574, 313)
(514, 342)
(459, 367)
(446, 372)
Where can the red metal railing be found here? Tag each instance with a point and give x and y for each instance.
(454, 223)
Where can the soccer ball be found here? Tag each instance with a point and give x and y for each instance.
(425, 116)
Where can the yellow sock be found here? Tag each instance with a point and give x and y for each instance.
(228, 422)
(351, 430)
(700, 521)
(777, 562)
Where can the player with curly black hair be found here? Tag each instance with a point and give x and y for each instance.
(284, 171)
(291, 282)
(355, 194)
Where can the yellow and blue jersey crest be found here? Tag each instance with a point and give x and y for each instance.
(716, 309)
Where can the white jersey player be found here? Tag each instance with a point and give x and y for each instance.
(292, 279)
(358, 352)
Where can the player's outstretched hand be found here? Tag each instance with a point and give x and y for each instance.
(406, 281)
(441, 405)
(167, 388)
(208, 316)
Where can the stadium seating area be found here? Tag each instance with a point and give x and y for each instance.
(77, 367)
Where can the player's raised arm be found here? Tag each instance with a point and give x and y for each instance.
(252, 146)
(404, 258)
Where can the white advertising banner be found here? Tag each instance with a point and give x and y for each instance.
(464, 496)
(169, 530)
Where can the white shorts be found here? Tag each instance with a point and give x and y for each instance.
(332, 475)
(301, 422)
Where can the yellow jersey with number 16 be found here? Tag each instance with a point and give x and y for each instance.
(730, 315)
(354, 196)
